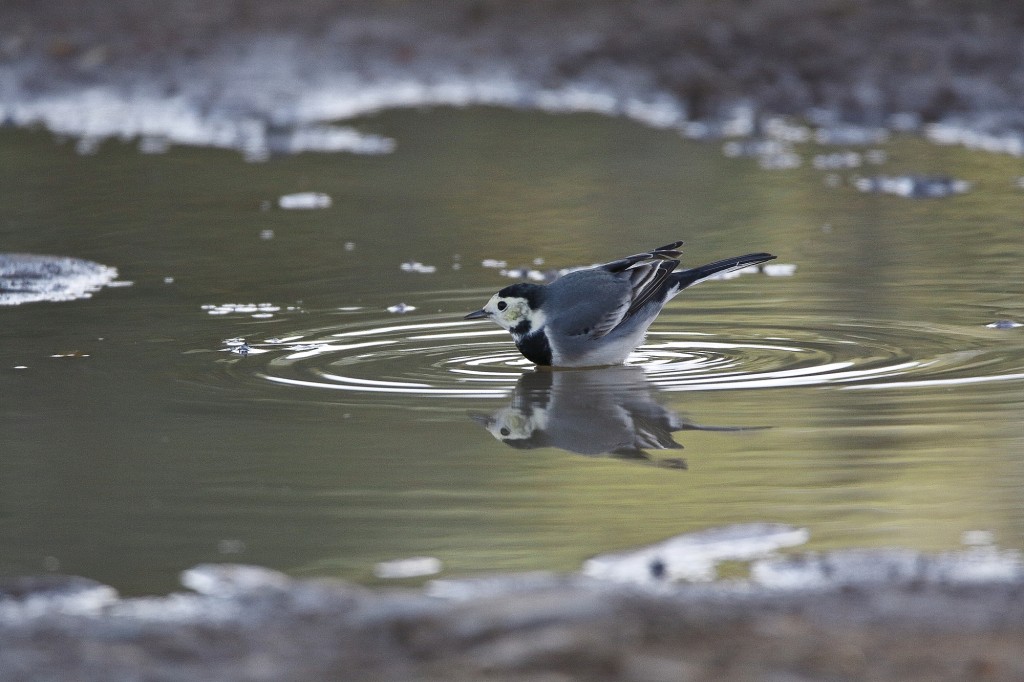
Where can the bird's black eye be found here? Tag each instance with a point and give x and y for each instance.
(505, 431)
(502, 305)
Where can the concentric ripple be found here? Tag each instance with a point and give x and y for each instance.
(469, 360)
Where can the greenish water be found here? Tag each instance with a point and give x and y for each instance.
(351, 435)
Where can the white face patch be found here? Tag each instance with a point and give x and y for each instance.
(509, 312)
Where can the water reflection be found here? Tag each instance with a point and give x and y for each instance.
(610, 410)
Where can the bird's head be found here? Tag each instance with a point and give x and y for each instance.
(516, 308)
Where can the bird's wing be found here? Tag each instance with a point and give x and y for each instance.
(609, 320)
(646, 279)
(667, 252)
(617, 290)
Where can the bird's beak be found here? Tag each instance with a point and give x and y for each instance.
(477, 315)
(482, 419)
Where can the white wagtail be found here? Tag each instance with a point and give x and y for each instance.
(598, 316)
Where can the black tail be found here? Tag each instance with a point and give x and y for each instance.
(685, 278)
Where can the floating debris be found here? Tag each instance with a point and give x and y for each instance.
(1004, 324)
(304, 201)
(416, 266)
(412, 567)
(839, 160)
(913, 186)
(494, 263)
(350, 246)
(779, 128)
(779, 269)
(29, 278)
(168, 280)
(266, 235)
(241, 347)
(770, 154)
(401, 308)
(256, 310)
(850, 134)
(530, 274)
(733, 274)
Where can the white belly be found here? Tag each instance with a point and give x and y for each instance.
(588, 353)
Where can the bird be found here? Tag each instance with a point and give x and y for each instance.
(598, 316)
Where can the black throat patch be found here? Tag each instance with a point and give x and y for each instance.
(534, 346)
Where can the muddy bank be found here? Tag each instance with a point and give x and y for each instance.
(267, 77)
(880, 615)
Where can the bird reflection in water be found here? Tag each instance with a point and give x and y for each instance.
(592, 412)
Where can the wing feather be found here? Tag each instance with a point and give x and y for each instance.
(613, 302)
(646, 280)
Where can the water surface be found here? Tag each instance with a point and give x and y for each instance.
(862, 397)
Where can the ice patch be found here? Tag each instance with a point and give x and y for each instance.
(983, 564)
(416, 266)
(30, 597)
(94, 115)
(971, 137)
(693, 556)
(256, 310)
(229, 580)
(412, 567)
(779, 269)
(28, 278)
(304, 201)
(913, 186)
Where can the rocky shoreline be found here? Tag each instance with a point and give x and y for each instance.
(248, 623)
(276, 77)
(845, 615)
